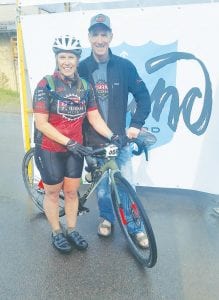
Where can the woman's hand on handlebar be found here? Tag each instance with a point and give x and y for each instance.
(77, 149)
(119, 140)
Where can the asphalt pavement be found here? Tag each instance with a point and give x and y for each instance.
(185, 227)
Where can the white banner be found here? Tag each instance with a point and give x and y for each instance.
(175, 50)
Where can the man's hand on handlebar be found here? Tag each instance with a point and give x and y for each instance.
(77, 149)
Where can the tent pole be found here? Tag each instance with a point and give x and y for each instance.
(23, 83)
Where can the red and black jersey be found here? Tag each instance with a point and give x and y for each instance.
(66, 108)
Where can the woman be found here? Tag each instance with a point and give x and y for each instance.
(59, 152)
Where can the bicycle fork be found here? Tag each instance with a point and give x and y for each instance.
(134, 212)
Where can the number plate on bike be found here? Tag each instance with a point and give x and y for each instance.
(111, 151)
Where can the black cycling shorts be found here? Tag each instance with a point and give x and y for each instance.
(54, 166)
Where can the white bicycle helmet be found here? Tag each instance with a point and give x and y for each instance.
(67, 43)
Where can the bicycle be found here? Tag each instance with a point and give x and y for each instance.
(119, 185)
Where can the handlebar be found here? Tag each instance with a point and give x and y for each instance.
(141, 148)
(112, 150)
(144, 140)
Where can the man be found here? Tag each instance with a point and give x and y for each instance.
(113, 78)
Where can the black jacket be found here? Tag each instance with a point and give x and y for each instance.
(122, 79)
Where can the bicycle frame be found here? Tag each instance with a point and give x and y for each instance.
(111, 152)
(109, 165)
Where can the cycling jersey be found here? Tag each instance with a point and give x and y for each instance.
(65, 113)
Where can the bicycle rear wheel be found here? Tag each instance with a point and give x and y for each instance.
(131, 213)
(34, 184)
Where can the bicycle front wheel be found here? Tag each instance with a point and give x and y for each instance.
(132, 218)
(34, 184)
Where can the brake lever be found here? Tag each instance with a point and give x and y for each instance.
(141, 148)
(137, 152)
(139, 145)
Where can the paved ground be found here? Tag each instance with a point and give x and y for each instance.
(185, 227)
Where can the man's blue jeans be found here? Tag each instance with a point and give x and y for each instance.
(104, 195)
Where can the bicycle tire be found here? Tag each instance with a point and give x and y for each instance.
(33, 183)
(148, 256)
